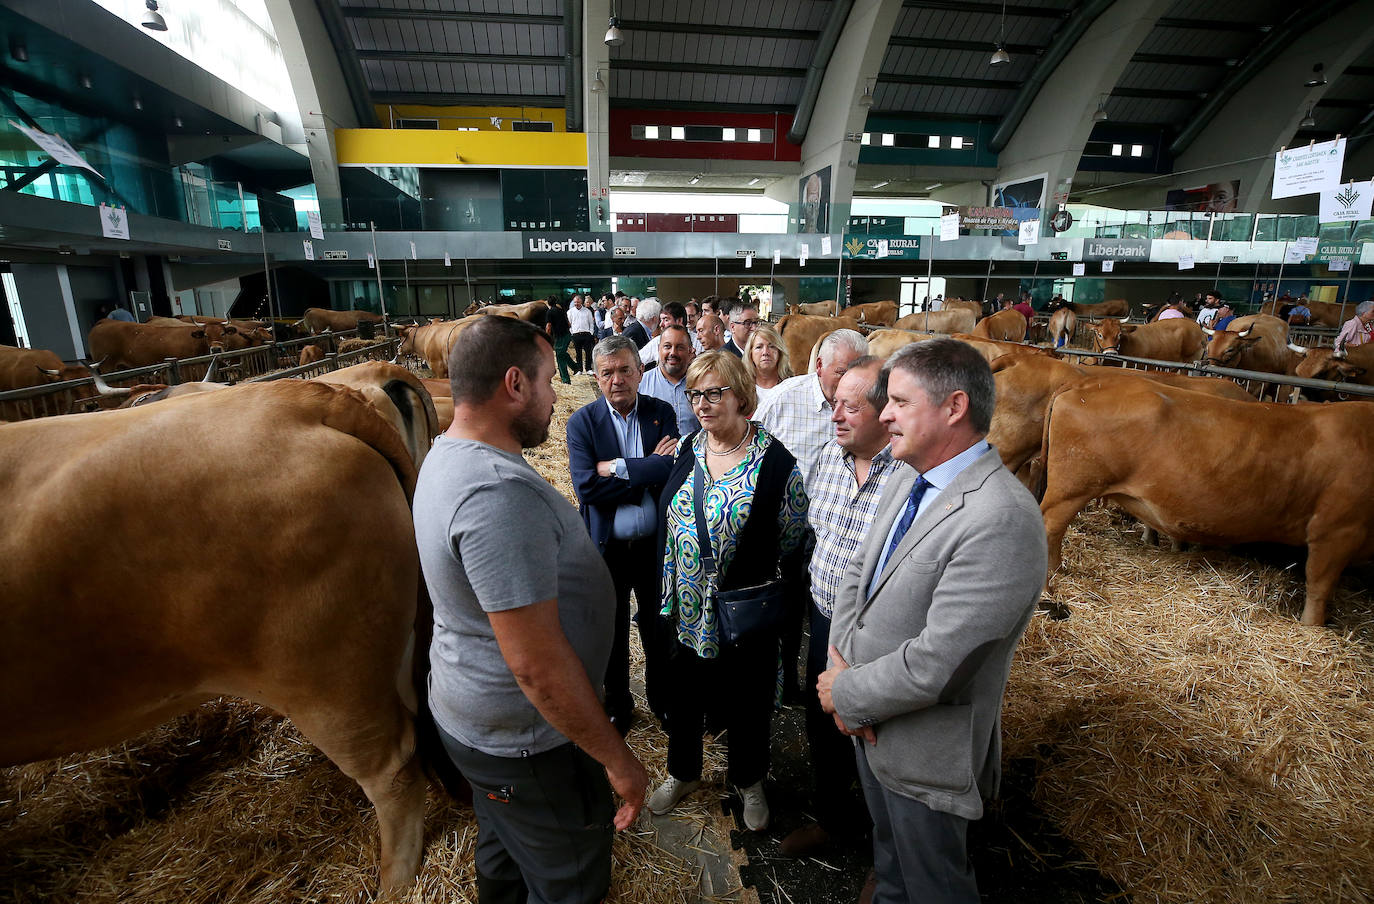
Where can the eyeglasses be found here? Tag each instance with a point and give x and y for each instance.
(711, 395)
(752, 324)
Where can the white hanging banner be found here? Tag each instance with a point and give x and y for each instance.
(1029, 232)
(1080, 269)
(1305, 246)
(1338, 263)
(412, 252)
(309, 250)
(1294, 255)
(805, 253)
(371, 262)
(312, 219)
(1108, 266)
(748, 261)
(114, 222)
(777, 256)
(1350, 201)
(56, 147)
(448, 261)
(1185, 262)
(882, 248)
(1304, 171)
(949, 227)
(825, 246)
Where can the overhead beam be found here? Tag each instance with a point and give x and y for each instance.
(724, 31)
(430, 56)
(1257, 28)
(1301, 20)
(436, 99)
(940, 81)
(990, 9)
(1183, 59)
(708, 68)
(367, 12)
(1158, 93)
(349, 65)
(815, 73)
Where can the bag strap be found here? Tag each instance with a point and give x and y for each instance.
(708, 560)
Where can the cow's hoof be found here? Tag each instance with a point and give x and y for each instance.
(1054, 609)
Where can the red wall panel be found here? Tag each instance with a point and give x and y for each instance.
(622, 145)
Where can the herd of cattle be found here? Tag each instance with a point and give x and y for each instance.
(143, 631)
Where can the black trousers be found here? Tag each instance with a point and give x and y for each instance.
(544, 824)
(837, 796)
(737, 688)
(919, 854)
(635, 565)
(583, 343)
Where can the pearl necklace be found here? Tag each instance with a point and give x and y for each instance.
(748, 431)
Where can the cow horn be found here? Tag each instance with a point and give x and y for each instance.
(51, 373)
(212, 370)
(105, 389)
(1126, 319)
(1245, 333)
(1297, 348)
(1340, 355)
(1209, 332)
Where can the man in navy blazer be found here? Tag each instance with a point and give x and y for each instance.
(620, 450)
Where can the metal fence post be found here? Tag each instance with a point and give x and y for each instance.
(173, 370)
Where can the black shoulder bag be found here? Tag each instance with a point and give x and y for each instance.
(748, 611)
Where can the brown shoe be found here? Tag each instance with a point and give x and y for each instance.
(807, 841)
(870, 886)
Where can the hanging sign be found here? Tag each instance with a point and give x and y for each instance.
(413, 255)
(872, 247)
(312, 219)
(448, 261)
(1080, 269)
(371, 262)
(1185, 262)
(114, 222)
(826, 247)
(1305, 171)
(309, 250)
(1108, 266)
(1029, 232)
(777, 256)
(949, 227)
(987, 218)
(1347, 203)
(56, 147)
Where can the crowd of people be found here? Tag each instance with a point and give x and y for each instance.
(733, 501)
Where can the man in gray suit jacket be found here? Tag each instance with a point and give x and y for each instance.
(926, 622)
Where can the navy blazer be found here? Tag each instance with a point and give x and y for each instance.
(592, 438)
(635, 332)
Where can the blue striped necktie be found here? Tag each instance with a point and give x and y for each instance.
(913, 502)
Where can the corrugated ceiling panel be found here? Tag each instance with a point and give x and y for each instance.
(1216, 44)
(1267, 12)
(1148, 110)
(1171, 77)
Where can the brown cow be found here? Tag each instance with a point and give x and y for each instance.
(441, 392)
(530, 310)
(802, 331)
(118, 344)
(317, 320)
(1324, 313)
(433, 341)
(882, 343)
(1006, 326)
(310, 354)
(322, 633)
(1255, 342)
(1288, 476)
(23, 368)
(992, 349)
(1178, 339)
(875, 313)
(814, 308)
(1027, 383)
(1116, 307)
(399, 396)
(964, 304)
(1356, 365)
(1063, 324)
(959, 320)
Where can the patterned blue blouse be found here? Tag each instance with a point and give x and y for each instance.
(687, 592)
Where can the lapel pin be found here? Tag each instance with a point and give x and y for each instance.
(949, 506)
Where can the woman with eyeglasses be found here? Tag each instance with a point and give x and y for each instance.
(738, 486)
(765, 358)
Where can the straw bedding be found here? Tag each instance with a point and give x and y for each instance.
(1187, 735)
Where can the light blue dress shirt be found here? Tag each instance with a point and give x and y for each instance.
(660, 387)
(632, 520)
(939, 477)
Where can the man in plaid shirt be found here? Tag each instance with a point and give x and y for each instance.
(848, 481)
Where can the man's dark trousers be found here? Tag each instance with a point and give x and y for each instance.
(837, 798)
(636, 565)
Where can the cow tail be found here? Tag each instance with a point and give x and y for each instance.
(434, 759)
(1040, 465)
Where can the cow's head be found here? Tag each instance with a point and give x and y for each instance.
(1225, 346)
(1324, 364)
(1108, 334)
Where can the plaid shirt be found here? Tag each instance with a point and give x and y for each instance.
(840, 514)
(798, 414)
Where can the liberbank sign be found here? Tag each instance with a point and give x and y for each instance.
(1116, 250)
(565, 244)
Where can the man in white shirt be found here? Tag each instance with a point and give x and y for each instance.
(668, 381)
(583, 323)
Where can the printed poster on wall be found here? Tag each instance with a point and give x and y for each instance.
(1029, 233)
(1217, 197)
(1307, 170)
(309, 250)
(1080, 269)
(312, 219)
(1021, 195)
(949, 227)
(813, 202)
(56, 147)
(114, 222)
(1350, 201)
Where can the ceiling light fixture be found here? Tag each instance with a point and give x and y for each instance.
(881, 184)
(176, 121)
(1000, 55)
(866, 99)
(138, 102)
(1100, 114)
(86, 82)
(1318, 77)
(597, 84)
(933, 187)
(152, 19)
(613, 36)
(694, 180)
(1309, 121)
(754, 181)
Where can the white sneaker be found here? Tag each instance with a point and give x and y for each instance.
(755, 807)
(669, 794)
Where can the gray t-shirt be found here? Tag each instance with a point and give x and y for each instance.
(493, 536)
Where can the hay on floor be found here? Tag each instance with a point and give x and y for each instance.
(1192, 738)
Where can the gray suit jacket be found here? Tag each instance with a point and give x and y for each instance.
(931, 649)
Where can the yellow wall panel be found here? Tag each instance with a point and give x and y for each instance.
(427, 147)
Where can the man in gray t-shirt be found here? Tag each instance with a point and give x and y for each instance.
(523, 619)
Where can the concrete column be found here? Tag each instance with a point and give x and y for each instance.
(1054, 131)
(1236, 132)
(857, 58)
(321, 94)
(45, 297)
(596, 112)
